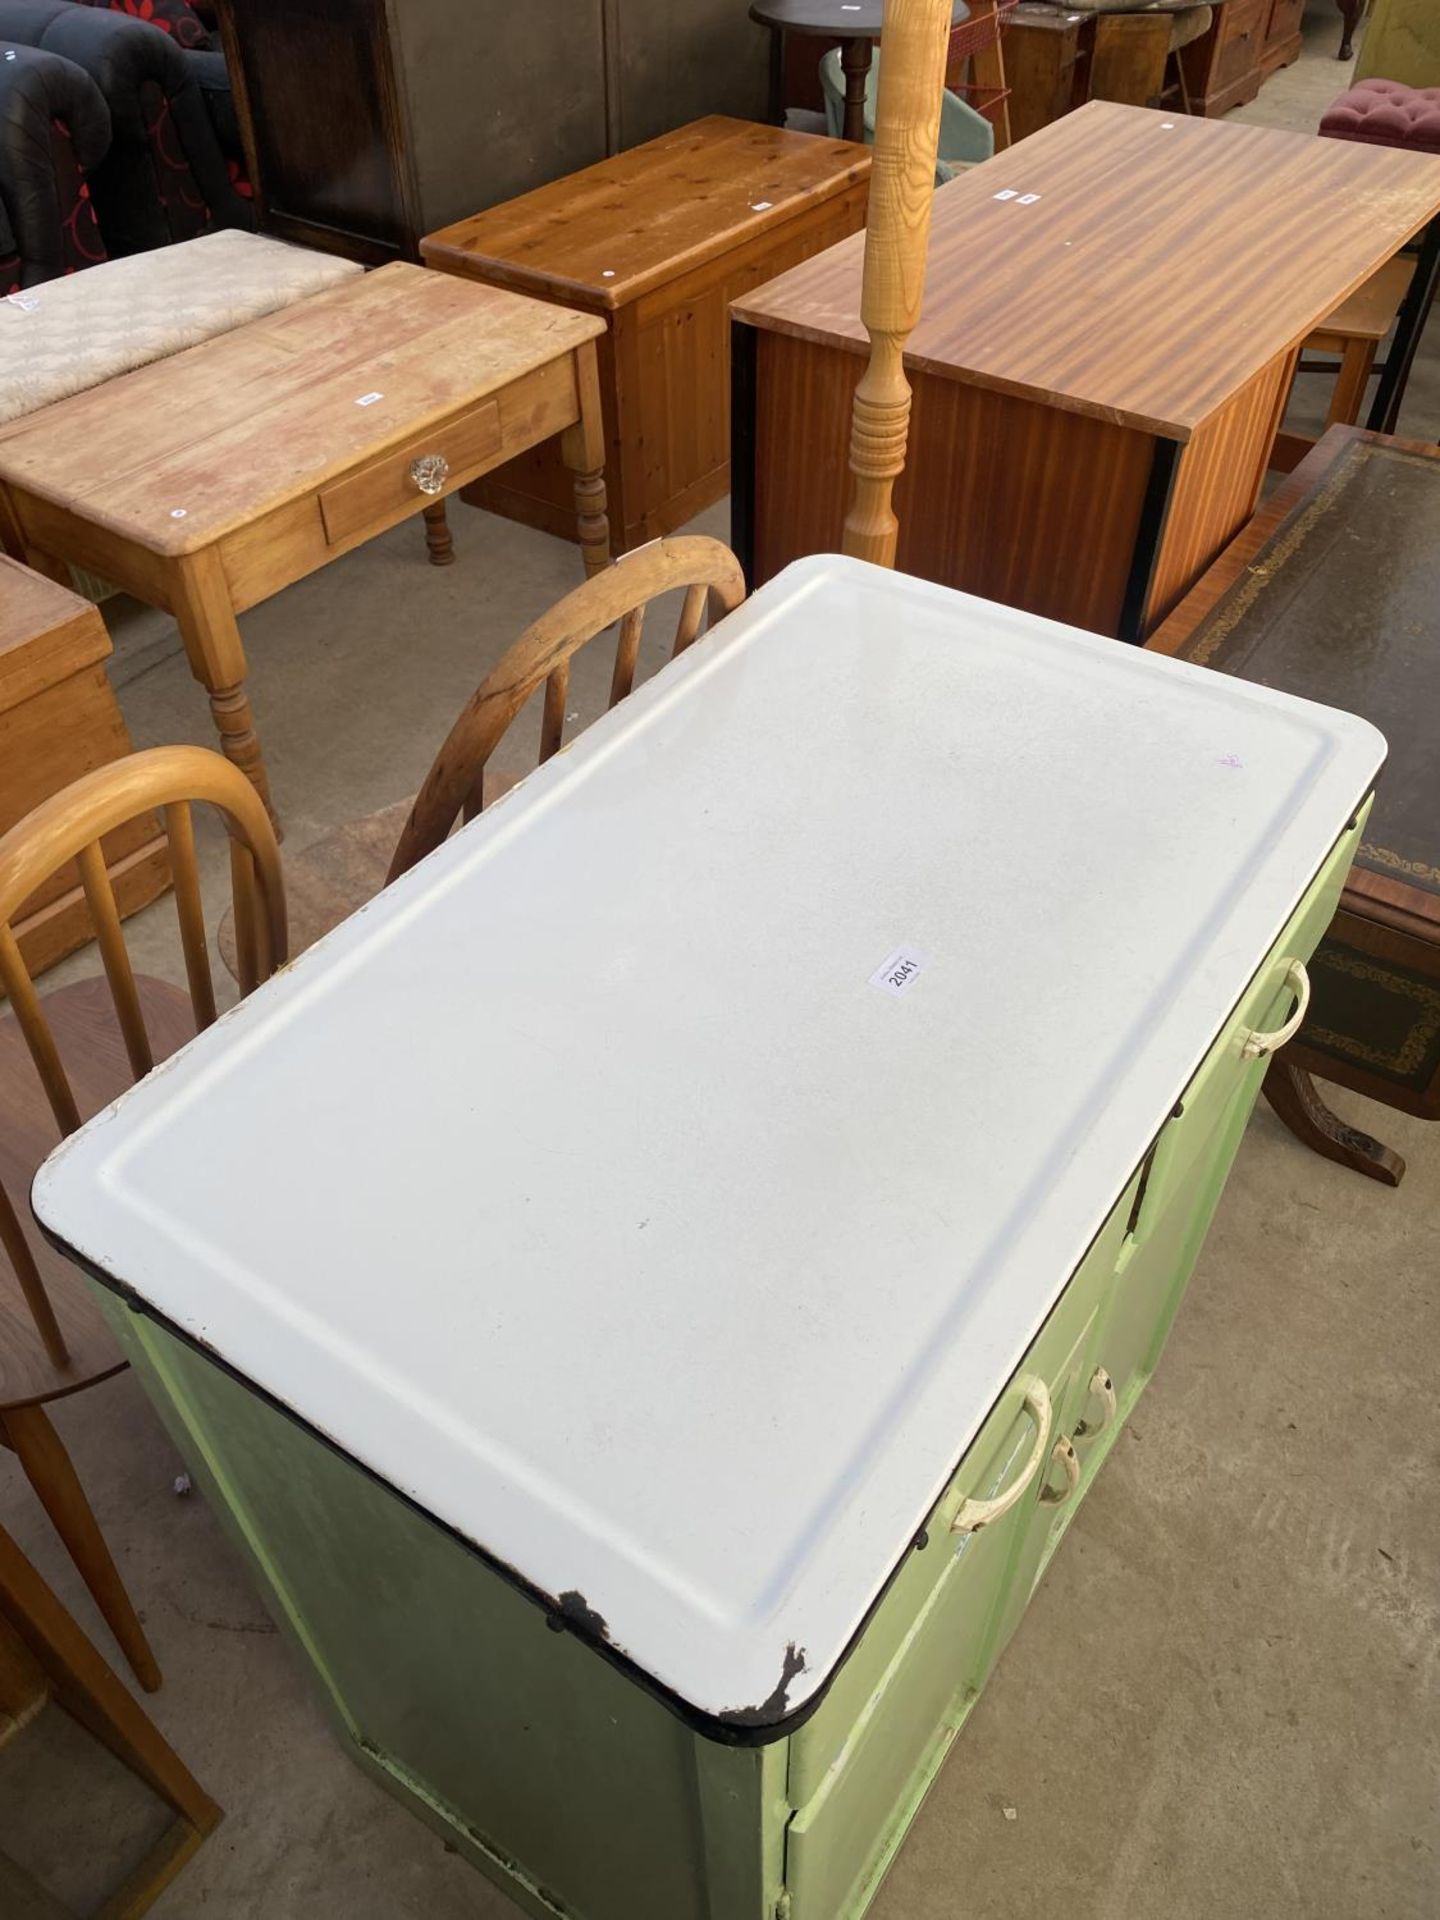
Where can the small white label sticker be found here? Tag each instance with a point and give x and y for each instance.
(1007, 193)
(761, 206)
(901, 970)
(607, 273)
(178, 513)
(27, 302)
(369, 399)
(1028, 199)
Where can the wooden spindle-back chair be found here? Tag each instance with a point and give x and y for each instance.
(712, 579)
(53, 1341)
(335, 876)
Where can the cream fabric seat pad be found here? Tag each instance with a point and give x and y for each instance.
(123, 314)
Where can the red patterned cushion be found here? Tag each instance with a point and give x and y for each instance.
(1388, 114)
(174, 17)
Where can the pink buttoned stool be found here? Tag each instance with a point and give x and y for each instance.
(1387, 113)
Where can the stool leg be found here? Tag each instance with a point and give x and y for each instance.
(1348, 396)
(438, 542)
(1291, 1092)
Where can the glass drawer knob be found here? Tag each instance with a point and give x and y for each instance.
(430, 472)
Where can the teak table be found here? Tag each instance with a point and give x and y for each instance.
(1111, 321)
(1333, 591)
(783, 1243)
(656, 242)
(207, 482)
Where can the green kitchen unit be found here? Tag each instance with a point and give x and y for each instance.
(649, 1294)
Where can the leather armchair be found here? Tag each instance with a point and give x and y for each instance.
(54, 130)
(165, 177)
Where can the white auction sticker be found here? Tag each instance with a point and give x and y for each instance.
(900, 971)
(369, 399)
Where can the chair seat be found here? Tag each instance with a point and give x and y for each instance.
(1386, 113)
(86, 1032)
(115, 317)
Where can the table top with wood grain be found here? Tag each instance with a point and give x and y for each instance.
(181, 452)
(1164, 261)
(604, 236)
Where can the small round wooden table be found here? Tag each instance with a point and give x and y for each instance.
(854, 23)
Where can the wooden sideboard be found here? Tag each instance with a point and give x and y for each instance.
(1051, 64)
(1247, 42)
(368, 123)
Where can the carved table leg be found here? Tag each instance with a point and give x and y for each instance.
(437, 535)
(1291, 1092)
(1350, 10)
(855, 65)
(201, 596)
(582, 448)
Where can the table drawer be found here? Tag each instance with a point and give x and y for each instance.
(366, 500)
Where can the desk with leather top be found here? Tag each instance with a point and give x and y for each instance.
(1333, 592)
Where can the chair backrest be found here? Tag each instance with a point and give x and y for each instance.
(966, 136)
(70, 826)
(712, 578)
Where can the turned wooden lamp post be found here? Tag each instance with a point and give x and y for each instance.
(902, 184)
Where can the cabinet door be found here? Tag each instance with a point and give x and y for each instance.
(315, 86)
(859, 1769)
(1184, 1175)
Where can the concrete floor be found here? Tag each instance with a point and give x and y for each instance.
(1223, 1700)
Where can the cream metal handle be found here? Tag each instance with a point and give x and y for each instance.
(1062, 1454)
(974, 1514)
(1101, 1388)
(1257, 1045)
(430, 472)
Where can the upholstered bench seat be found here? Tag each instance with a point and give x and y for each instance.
(1386, 113)
(76, 332)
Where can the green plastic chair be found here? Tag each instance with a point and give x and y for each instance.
(966, 136)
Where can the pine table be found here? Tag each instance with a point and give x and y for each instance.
(206, 482)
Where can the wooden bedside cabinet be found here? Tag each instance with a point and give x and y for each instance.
(59, 719)
(658, 242)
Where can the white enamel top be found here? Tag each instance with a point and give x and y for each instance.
(586, 1188)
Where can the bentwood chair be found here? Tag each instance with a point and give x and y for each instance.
(348, 866)
(45, 1659)
(53, 1340)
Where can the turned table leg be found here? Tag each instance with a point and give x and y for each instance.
(1350, 11)
(855, 65)
(49, 1470)
(582, 448)
(437, 535)
(1291, 1092)
(206, 618)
